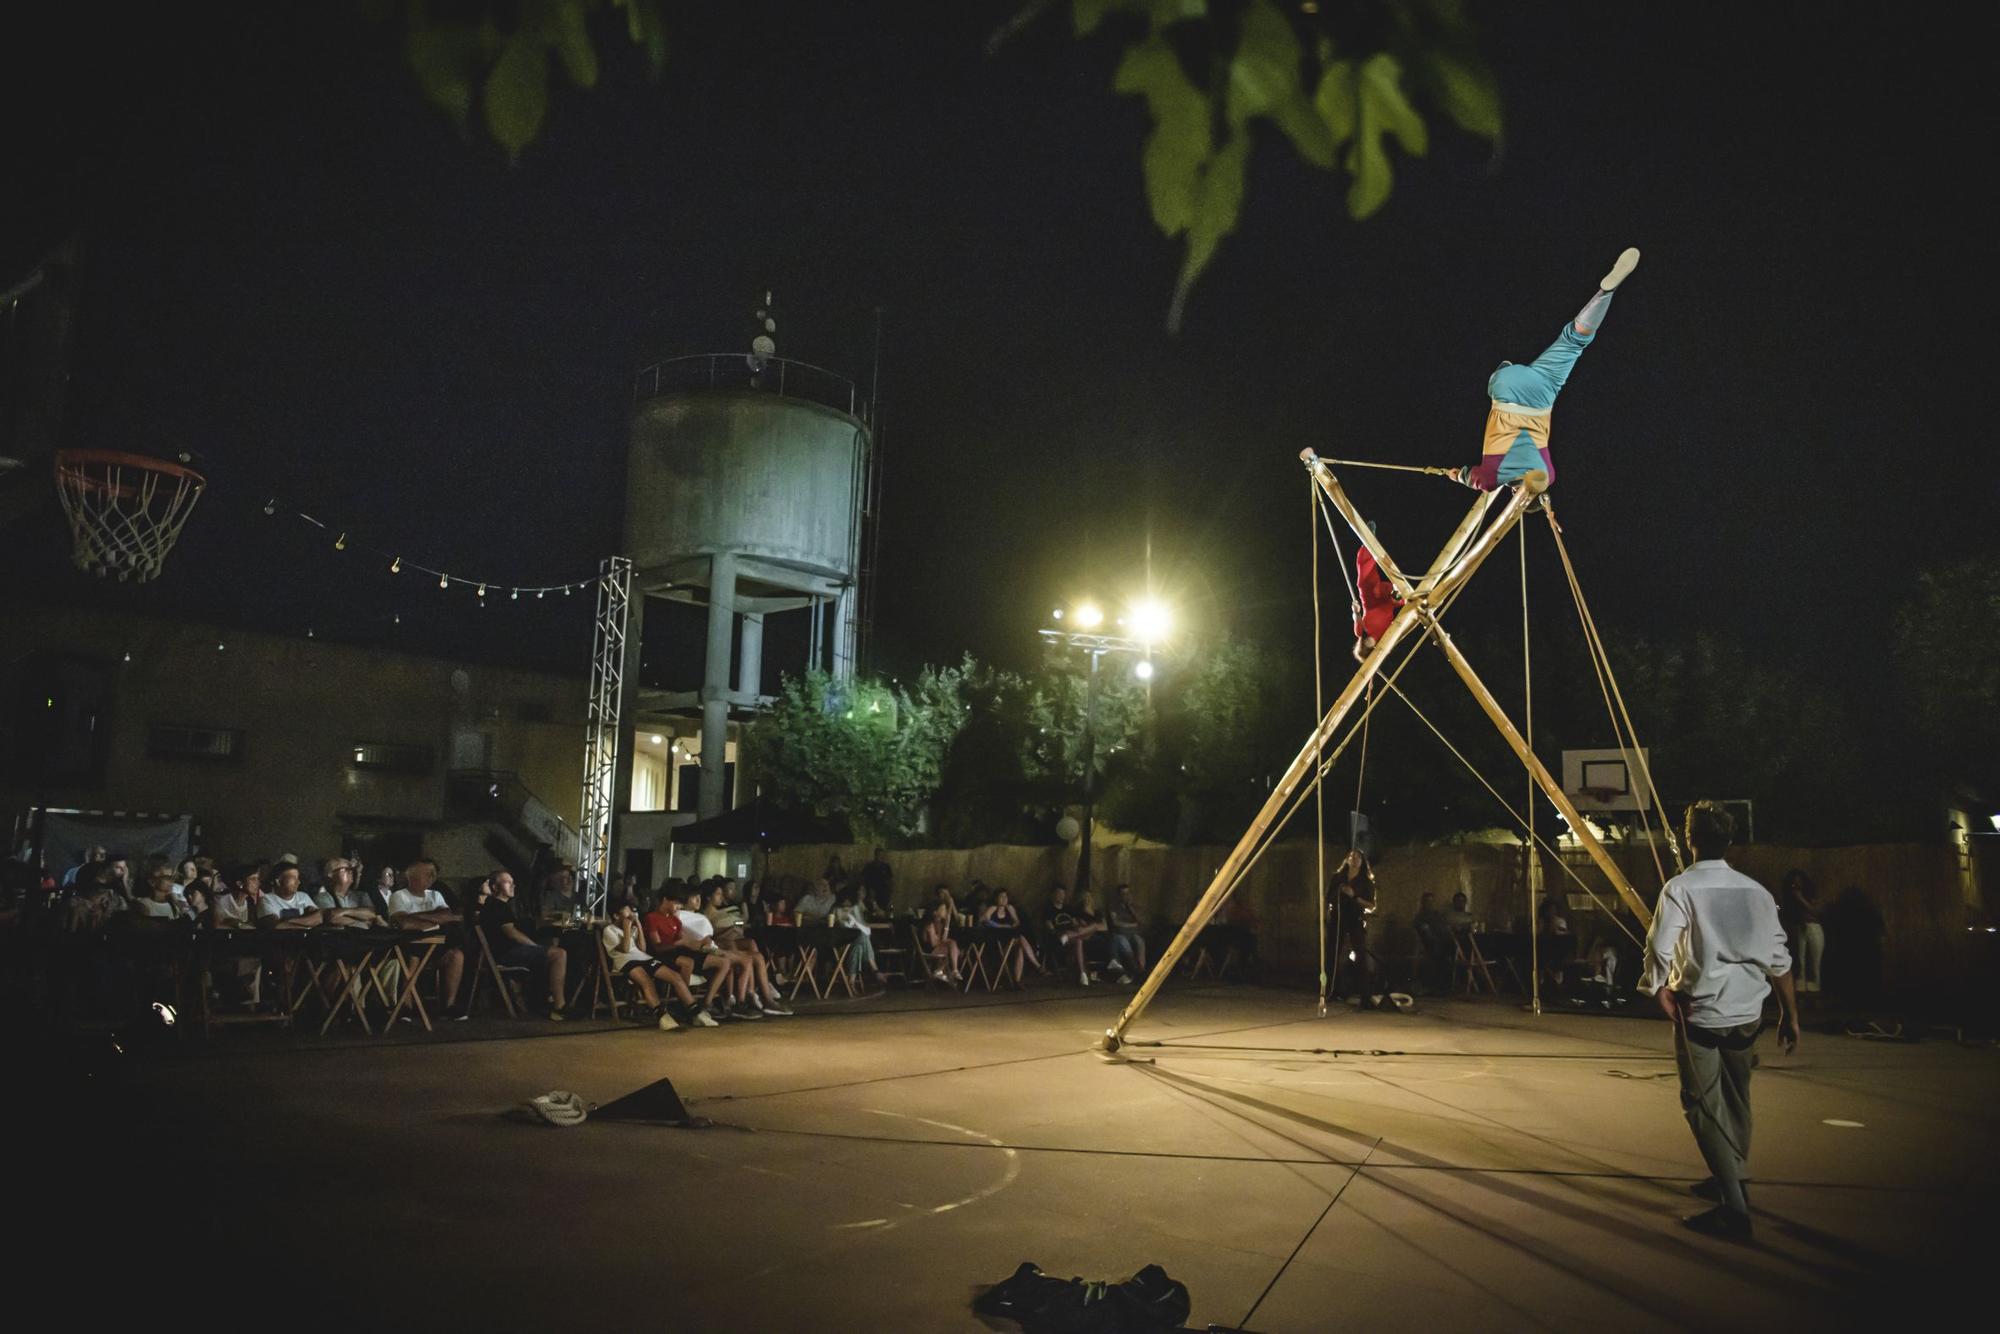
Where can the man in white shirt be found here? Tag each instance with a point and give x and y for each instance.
(420, 907)
(1715, 952)
(285, 906)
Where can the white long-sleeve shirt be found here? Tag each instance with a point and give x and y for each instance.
(1716, 940)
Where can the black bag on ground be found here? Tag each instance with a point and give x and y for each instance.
(1043, 1304)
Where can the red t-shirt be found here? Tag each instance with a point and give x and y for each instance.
(663, 930)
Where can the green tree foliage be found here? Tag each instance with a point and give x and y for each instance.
(1340, 82)
(1236, 721)
(1948, 654)
(870, 753)
(496, 55)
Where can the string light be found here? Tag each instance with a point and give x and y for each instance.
(444, 581)
(514, 596)
(482, 590)
(271, 505)
(340, 543)
(396, 565)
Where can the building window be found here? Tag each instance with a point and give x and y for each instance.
(385, 758)
(180, 742)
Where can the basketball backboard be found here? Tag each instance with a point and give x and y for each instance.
(1605, 780)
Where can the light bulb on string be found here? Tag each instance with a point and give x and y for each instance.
(514, 596)
(396, 565)
(482, 590)
(398, 618)
(271, 506)
(541, 593)
(444, 581)
(340, 543)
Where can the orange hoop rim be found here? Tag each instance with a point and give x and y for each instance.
(75, 461)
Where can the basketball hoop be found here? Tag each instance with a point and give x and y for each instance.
(125, 510)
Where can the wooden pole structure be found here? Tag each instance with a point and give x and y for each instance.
(1550, 787)
(1415, 612)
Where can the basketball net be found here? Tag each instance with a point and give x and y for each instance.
(125, 510)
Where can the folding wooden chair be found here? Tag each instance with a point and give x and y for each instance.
(413, 973)
(1466, 955)
(925, 967)
(605, 982)
(488, 966)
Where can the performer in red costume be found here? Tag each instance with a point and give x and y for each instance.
(1378, 602)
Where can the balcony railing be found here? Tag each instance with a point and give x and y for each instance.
(741, 370)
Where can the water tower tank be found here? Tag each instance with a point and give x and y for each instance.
(765, 459)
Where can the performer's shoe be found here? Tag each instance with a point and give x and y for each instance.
(1720, 1222)
(1620, 271)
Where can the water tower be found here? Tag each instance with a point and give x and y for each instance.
(748, 485)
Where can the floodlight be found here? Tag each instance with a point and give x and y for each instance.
(1089, 616)
(1151, 620)
(1144, 671)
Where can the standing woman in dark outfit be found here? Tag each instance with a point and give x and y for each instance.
(1351, 902)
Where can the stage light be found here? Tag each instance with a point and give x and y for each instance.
(1996, 824)
(1151, 620)
(1144, 671)
(1089, 616)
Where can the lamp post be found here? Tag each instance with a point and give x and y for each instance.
(1082, 631)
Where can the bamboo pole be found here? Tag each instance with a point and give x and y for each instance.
(1412, 614)
(1550, 787)
(1362, 532)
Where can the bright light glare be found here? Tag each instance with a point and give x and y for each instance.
(1089, 616)
(1996, 824)
(657, 738)
(1144, 671)
(1056, 614)
(1151, 620)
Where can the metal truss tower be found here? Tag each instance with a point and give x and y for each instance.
(603, 733)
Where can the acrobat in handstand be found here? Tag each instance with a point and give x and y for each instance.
(1517, 426)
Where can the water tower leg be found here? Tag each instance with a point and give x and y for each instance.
(750, 660)
(715, 683)
(845, 628)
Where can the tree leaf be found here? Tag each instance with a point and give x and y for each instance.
(572, 41)
(1467, 91)
(1086, 15)
(445, 61)
(1180, 142)
(1382, 86)
(1217, 206)
(1368, 162)
(1264, 80)
(1335, 100)
(517, 92)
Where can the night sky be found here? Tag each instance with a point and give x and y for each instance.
(301, 271)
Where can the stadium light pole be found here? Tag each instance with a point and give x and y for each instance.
(1083, 628)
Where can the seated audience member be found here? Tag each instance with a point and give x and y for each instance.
(727, 931)
(285, 906)
(507, 926)
(1458, 917)
(624, 943)
(848, 915)
(557, 901)
(972, 905)
(344, 902)
(1004, 916)
(158, 903)
(814, 908)
(940, 951)
(84, 873)
(422, 906)
(728, 974)
(197, 886)
(99, 901)
(941, 895)
(385, 885)
(1127, 937)
(1067, 929)
(780, 913)
(236, 906)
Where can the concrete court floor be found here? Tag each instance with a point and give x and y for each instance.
(872, 1167)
